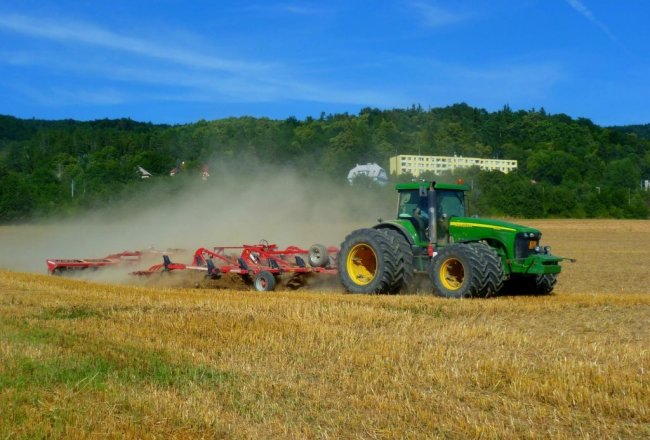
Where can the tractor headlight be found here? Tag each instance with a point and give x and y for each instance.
(537, 249)
(547, 250)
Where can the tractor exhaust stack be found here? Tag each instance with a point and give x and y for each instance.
(433, 238)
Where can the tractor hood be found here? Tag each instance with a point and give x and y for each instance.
(486, 223)
(471, 228)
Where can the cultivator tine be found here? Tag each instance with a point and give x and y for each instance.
(213, 272)
(242, 264)
(273, 264)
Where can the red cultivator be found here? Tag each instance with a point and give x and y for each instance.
(59, 266)
(258, 265)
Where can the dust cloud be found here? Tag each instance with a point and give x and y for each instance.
(237, 205)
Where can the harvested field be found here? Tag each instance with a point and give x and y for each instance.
(80, 359)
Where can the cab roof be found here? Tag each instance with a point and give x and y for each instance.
(418, 185)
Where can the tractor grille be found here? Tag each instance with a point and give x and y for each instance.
(525, 244)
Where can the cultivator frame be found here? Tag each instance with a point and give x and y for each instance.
(259, 265)
(56, 266)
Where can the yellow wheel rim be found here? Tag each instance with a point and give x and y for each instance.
(362, 264)
(452, 274)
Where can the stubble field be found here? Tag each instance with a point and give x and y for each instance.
(81, 359)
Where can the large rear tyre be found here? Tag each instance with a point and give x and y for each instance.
(404, 279)
(369, 262)
(467, 270)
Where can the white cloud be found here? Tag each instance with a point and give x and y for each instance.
(126, 68)
(433, 15)
(89, 34)
(296, 9)
(585, 12)
(184, 73)
(176, 83)
(60, 95)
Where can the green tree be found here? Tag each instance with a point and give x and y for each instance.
(623, 173)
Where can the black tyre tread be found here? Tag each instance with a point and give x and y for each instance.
(544, 284)
(398, 274)
(474, 277)
(405, 275)
(491, 271)
(529, 285)
(389, 265)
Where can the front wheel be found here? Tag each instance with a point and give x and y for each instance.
(467, 270)
(544, 284)
(530, 284)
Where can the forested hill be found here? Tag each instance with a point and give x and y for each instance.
(567, 167)
(643, 131)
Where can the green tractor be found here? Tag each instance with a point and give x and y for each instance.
(464, 256)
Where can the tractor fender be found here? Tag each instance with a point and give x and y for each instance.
(396, 227)
(499, 247)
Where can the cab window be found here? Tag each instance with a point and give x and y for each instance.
(408, 201)
(451, 203)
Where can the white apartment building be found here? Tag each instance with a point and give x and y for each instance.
(416, 165)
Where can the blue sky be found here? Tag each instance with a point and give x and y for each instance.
(177, 61)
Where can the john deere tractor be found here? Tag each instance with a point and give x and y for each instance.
(464, 256)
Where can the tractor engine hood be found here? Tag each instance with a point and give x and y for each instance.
(472, 228)
(520, 245)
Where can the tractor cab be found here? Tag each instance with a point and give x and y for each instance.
(415, 206)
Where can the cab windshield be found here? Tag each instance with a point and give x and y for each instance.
(451, 203)
(414, 206)
(411, 203)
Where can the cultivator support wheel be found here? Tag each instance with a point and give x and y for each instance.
(264, 281)
(318, 256)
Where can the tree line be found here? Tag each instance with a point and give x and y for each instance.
(566, 167)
